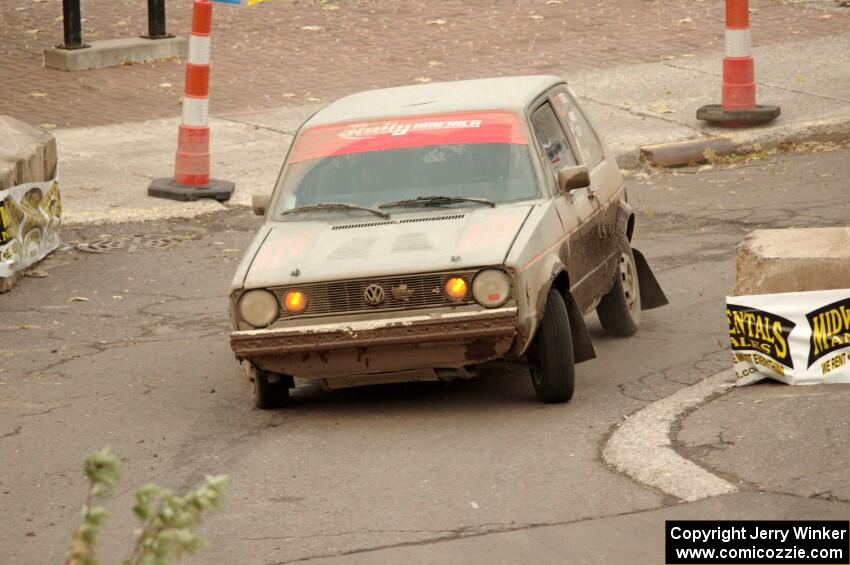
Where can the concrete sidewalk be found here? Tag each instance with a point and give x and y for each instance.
(105, 170)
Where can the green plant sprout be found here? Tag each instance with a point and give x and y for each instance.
(167, 521)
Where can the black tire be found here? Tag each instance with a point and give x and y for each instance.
(619, 310)
(267, 394)
(554, 376)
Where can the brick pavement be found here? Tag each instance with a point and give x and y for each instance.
(272, 55)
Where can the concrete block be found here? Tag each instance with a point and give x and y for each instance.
(115, 52)
(793, 260)
(27, 154)
(8, 283)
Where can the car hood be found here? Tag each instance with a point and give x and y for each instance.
(432, 240)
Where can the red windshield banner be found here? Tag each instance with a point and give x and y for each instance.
(417, 131)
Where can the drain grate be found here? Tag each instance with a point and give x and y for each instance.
(129, 244)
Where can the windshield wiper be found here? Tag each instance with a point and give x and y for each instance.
(437, 200)
(334, 206)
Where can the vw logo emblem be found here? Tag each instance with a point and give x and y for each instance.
(374, 295)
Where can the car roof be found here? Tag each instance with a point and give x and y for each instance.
(502, 93)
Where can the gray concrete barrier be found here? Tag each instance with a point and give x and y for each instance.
(27, 155)
(793, 260)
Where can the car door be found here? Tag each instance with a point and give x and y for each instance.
(606, 182)
(575, 210)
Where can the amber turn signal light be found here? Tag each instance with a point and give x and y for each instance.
(456, 288)
(295, 301)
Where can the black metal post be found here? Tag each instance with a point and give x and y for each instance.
(156, 20)
(71, 22)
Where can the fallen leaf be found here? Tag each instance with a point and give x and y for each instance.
(38, 94)
(289, 95)
(117, 297)
(314, 99)
(422, 79)
(78, 299)
(47, 125)
(437, 22)
(685, 21)
(165, 85)
(536, 17)
(312, 28)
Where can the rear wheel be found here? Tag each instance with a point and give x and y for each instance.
(269, 390)
(554, 375)
(619, 310)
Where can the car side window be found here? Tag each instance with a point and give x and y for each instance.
(552, 137)
(588, 143)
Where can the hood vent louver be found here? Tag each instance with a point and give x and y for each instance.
(402, 221)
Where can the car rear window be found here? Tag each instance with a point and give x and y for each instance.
(480, 154)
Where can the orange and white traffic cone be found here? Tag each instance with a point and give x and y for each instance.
(738, 106)
(192, 162)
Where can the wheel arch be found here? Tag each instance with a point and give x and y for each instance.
(582, 344)
(630, 227)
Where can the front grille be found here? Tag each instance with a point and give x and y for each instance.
(344, 297)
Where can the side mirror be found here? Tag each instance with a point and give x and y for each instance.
(259, 203)
(571, 178)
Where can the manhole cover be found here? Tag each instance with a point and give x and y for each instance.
(129, 244)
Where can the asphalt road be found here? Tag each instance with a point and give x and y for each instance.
(143, 365)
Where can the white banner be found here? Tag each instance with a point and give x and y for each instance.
(30, 216)
(793, 337)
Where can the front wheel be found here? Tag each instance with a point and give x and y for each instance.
(269, 390)
(619, 310)
(554, 376)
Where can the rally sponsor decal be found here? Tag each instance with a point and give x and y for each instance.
(5, 224)
(368, 131)
(495, 126)
(751, 329)
(793, 337)
(29, 224)
(830, 327)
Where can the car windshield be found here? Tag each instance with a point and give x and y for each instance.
(442, 160)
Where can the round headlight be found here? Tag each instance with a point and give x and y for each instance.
(491, 288)
(258, 307)
(295, 301)
(456, 288)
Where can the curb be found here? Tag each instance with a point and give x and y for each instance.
(642, 448)
(183, 211)
(686, 152)
(826, 130)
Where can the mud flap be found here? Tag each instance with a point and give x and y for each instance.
(582, 345)
(651, 295)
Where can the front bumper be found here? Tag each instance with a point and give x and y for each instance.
(446, 339)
